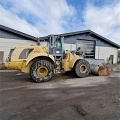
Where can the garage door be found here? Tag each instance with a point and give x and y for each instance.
(1, 56)
(87, 47)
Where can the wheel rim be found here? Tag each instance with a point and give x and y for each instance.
(42, 71)
(83, 68)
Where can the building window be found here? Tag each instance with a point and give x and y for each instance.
(87, 47)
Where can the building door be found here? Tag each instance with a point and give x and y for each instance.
(1, 56)
(87, 47)
(111, 58)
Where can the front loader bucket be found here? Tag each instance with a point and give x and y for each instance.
(100, 70)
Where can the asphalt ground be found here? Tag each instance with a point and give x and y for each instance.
(62, 98)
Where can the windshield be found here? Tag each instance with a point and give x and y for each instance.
(58, 43)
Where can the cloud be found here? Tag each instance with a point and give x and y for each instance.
(104, 20)
(13, 21)
(43, 17)
(37, 17)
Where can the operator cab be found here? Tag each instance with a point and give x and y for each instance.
(55, 45)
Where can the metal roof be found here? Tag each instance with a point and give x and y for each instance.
(91, 32)
(18, 33)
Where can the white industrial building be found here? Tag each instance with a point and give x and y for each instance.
(92, 44)
(10, 38)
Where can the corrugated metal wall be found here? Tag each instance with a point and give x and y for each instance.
(10, 35)
(70, 47)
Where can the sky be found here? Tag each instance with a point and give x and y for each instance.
(43, 17)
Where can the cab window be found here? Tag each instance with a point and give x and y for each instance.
(10, 54)
(24, 54)
(58, 43)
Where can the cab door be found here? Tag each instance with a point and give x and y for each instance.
(57, 46)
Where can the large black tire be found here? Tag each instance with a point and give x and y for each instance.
(82, 68)
(42, 71)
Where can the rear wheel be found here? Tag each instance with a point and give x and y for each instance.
(82, 68)
(42, 71)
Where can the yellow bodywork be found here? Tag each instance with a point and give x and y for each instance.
(69, 61)
(39, 51)
(25, 64)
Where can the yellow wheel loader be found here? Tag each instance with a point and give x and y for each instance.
(42, 62)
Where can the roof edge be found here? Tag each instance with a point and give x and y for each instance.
(90, 31)
(106, 40)
(18, 32)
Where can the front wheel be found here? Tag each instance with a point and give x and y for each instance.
(42, 71)
(82, 68)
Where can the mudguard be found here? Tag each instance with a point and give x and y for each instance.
(36, 55)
